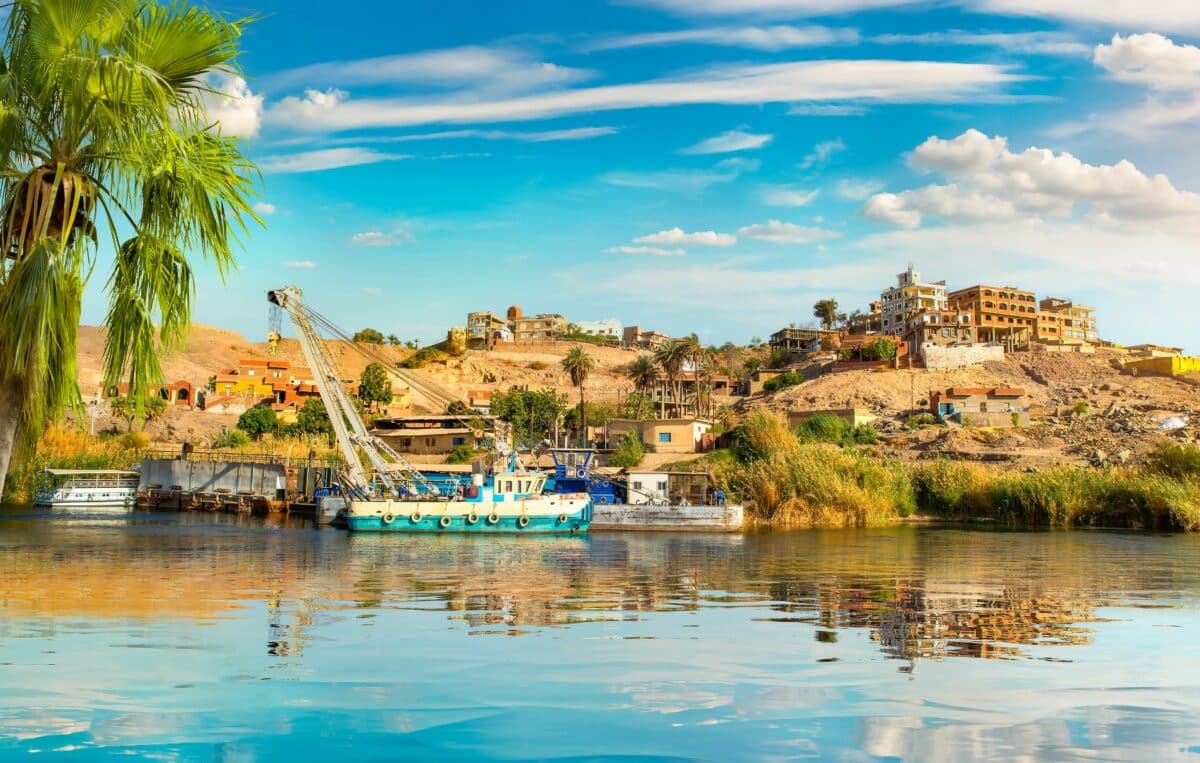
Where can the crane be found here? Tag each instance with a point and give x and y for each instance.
(351, 433)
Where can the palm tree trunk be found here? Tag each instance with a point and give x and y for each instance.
(582, 417)
(10, 414)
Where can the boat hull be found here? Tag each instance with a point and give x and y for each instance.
(554, 516)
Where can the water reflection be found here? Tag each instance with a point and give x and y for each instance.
(157, 628)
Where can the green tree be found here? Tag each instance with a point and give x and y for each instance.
(532, 414)
(628, 453)
(880, 349)
(670, 358)
(394, 340)
(368, 336)
(826, 311)
(131, 409)
(105, 129)
(644, 374)
(579, 366)
(258, 421)
(375, 386)
(312, 418)
(637, 406)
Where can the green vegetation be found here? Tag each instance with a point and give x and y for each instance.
(637, 405)
(787, 379)
(531, 413)
(375, 386)
(105, 133)
(465, 454)
(313, 419)
(230, 439)
(880, 349)
(778, 358)
(150, 408)
(423, 357)
(369, 336)
(826, 311)
(918, 420)
(1080, 408)
(828, 428)
(579, 366)
(66, 447)
(801, 480)
(598, 414)
(628, 453)
(258, 421)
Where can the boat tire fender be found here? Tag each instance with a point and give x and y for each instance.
(388, 518)
(493, 518)
(444, 521)
(414, 517)
(472, 518)
(562, 519)
(522, 521)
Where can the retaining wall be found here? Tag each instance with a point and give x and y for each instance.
(955, 357)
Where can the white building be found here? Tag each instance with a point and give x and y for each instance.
(609, 328)
(907, 298)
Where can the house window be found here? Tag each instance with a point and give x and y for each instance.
(249, 372)
(430, 442)
(406, 442)
(664, 436)
(459, 441)
(637, 485)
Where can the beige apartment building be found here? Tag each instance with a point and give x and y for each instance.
(1061, 321)
(539, 328)
(1002, 314)
(908, 297)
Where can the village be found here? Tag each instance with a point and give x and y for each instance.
(984, 373)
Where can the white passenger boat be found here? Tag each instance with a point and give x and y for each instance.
(107, 489)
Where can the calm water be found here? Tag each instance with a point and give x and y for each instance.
(199, 637)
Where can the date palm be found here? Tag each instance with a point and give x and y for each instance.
(105, 138)
(671, 358)
(579, 366)
(643, 373)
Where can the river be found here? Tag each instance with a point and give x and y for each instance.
(219, 637)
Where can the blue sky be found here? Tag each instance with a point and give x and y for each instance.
(714, 165)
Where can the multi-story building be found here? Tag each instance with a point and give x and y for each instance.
(870, 322)
(802, 341)
(1002, 314)
(908, 297)
(539, 328)
(635, 338)
(485, 328)
(1061, 321)
(944, 328)
(272, 379)
(609, 328)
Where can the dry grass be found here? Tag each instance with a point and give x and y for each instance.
(66, 447)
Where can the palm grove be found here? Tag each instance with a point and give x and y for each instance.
(107, 146)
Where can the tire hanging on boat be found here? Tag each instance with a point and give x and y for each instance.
(493, 518)
(522, 521)
(472, 518)
(388, 518)
(562, 519)
(444, 521)
(415, 517)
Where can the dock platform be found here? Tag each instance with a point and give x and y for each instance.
(668, 518)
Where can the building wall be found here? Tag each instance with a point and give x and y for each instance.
(539, 328)
(660, 435)
(963, 355)
(909, 296)
(1174, 366)
(432, 443)
(999, 312)
(852, 416)
(609, 327)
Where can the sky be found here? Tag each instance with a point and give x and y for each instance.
(714, 166)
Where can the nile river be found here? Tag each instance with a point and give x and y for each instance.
(223, 638)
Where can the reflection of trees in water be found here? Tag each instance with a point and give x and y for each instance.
(920, 593)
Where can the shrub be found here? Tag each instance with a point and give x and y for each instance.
(230, 438)
(538, 365)
(791, 378)
(864, 434)
(824, 427)
(880, 349)
(1080, 407)
(422, 358)
(778, 358)
(258, 421)
(1016, 419)
(1177, 461)
(628, 453)
(134, 441)
(772, 385)
(762, 434)
(920, 420)
(462, 454)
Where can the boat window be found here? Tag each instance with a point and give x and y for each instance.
(508, 486)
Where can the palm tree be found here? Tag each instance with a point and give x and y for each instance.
(697, 357)
(643, 373)
(579, 366)
(670, 358)
(104, 128)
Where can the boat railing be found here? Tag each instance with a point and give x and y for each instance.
(211, 456)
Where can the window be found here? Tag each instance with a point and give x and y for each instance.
(637, 485)
(508, 486)
(460, 441)
(430, 442)
(406, 442)
(249, 372)
(664, 436)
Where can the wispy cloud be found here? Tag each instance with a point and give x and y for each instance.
(653, 251)
(264, 208)
(1038, 43)
(778, 232)
(686, 181)
(372, 291)
(379, 238)
(787, 196)
(821, 154)
(778, 37)
(302, 264)
(678, 237)
(728, 142)
(827, 110)
(857, 190)
(771, 8)
(819, 81)
(324, 159)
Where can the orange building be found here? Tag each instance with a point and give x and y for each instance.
(276, 380)
(1003, 314)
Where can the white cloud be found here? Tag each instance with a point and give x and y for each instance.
(372, 291)
(1151, 60)
(790, 82)
(482, 69)
(773, 38)
(827, 110)
(728, 142)
(654, 251)
(302, 264)
(685, 181)
(379, 238)
(821, 154)
(778, 8)
(857, 190)
(786, 233)
(324, 159)
(786, 196)
(264, 208)
(236, 110)
(677, 237)
(992, 183)
(1040, 43)
(1165, 15)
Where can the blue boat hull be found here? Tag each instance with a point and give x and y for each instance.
(570, 524)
